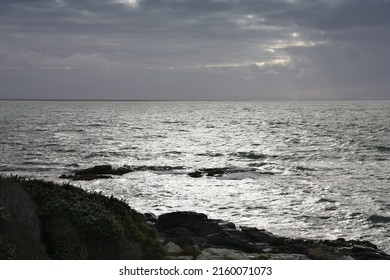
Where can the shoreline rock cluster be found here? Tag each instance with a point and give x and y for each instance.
(191, 235)
(76, 224)
(106, 172)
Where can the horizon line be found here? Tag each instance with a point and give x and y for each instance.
(191, 100)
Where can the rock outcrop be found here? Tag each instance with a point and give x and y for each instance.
(106, 171)
(220, 171)
(199, 237)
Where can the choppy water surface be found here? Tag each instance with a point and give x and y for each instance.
(330, 160)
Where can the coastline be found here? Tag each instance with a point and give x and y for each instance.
(70, 223)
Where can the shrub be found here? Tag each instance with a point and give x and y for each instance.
(76, 224)
(19, 224)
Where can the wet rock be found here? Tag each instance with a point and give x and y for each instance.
(102, 171)
(195, 174)
(217, 172)
(96, 172)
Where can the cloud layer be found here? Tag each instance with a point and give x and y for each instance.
(195, 49)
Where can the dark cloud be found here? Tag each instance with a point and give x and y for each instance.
(194, 49)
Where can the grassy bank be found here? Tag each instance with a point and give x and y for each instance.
(45, 220)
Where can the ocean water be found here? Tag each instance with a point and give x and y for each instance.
(330, 160)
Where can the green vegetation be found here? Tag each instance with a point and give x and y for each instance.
(40, 220)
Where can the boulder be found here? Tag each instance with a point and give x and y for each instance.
(185, 219)
(96, 170)
(172, 248)
(259, 235)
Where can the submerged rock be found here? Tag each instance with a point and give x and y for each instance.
(216, 172)
(96, 172)
(220, 171)
(104, 171)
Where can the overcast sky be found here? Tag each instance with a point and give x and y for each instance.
(195, 49)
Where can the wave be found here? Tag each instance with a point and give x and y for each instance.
(28, 168)
(104, 154)
(240, 176)
(96, 125)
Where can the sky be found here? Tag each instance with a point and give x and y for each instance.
(195, 49)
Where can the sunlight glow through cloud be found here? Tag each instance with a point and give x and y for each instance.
(131, 3)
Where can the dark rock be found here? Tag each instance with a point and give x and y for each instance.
(122, 170)
(232, 241)
(227, 225)
(183, 241)
(259, 235)
(89, 177)
(267, 173)
(102, 171)
(150, 217)
(196, 174)
(214, 171)
(186, 219)
(96, 170)
(179, 232)
(360, 252)
(190, 228)
(217, 171)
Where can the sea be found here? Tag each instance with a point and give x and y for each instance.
(304, 169)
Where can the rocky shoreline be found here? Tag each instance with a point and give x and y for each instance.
(191, 235)
(46, 220)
